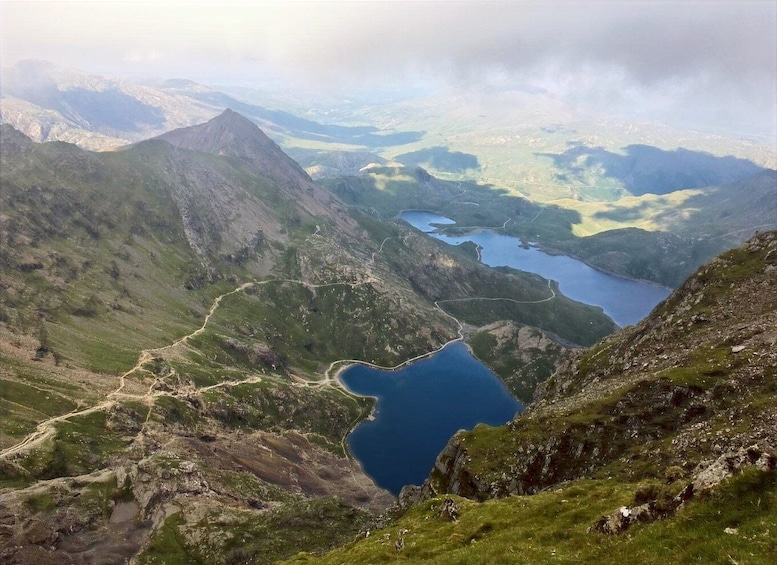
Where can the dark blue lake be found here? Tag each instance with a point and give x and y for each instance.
(625, 301)
(419, 408)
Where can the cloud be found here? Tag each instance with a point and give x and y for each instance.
(709, 47)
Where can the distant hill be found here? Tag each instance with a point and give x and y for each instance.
(710, 220)
(685, 231)
(643, 169)
(50, 103)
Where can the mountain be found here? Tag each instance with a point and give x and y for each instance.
(50, 103)
(232, 134)
(659, 443)
(173, 316)
(637, 199)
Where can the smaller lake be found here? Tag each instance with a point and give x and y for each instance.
(625, 301)
(419, 408)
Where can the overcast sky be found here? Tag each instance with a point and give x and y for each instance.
(717, 60)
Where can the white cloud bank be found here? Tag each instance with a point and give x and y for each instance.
(715, 60)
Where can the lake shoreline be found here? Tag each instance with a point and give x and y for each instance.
(419, 407)
(625, 300)
(468, 230)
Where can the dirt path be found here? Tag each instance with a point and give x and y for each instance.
(548, 299)
(46, 429)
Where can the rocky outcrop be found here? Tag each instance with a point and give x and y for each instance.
(709, 475)
(688, 385)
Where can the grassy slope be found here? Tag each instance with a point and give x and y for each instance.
(522, 356)
(644, 408)
(551, 527)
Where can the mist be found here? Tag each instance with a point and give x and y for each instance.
(712, 63)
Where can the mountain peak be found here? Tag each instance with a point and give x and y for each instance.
(229, 116)
(234, 135)
(229, 133)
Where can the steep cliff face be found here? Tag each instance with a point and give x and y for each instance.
(693, 382)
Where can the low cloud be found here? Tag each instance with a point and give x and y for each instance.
(708, 49)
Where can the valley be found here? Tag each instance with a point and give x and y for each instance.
(180, 299)
(177, 358)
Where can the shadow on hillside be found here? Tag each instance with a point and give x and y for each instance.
(645, 169)
(441, 159)
(623, 214)
(301, 128)
(734, 211)
(386, 191)
(106, 110)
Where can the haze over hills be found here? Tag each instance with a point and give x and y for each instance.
(50, 103)
(606, 173)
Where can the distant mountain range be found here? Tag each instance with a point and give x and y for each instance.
(50, 103)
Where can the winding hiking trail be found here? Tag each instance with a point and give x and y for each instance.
(372, 257)
(46, 429)
(548, 299)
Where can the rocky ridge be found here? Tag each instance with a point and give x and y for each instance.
(690, 384)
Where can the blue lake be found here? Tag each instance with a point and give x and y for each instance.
(419, 408)
(625, 301)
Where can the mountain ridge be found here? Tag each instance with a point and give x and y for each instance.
(230, 133)
(172, 321)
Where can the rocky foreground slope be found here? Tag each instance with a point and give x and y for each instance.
(692, 382)
(667, 429)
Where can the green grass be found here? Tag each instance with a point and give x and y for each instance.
(551, 527)
(278, 406)
(81, 444)
(168, 546)
(239, 536)
(23, 405)
(173, 412)
(520, 369)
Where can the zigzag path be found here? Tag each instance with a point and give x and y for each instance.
(46, 429)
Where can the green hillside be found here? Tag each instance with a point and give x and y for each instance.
(173, 317)
(657, 443)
